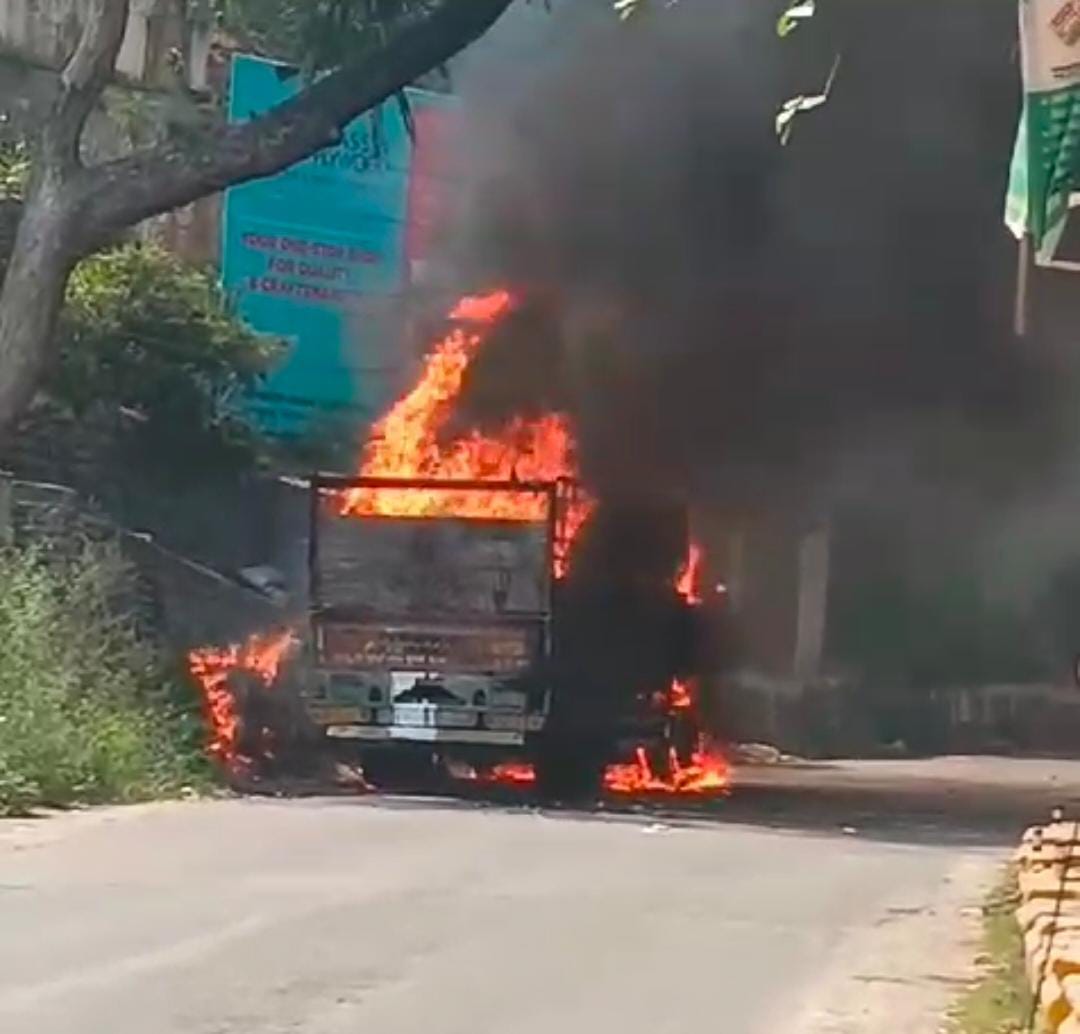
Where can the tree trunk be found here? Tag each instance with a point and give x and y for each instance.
(45, 248)
(33, 292)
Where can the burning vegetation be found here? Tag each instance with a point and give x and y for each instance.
(216, 672)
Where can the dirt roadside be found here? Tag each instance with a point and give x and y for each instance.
(907, 965)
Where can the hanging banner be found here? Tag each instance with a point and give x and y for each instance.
(320, 255)
(1045, 172)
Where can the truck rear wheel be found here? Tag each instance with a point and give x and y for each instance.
(402, 769)
(570, 771)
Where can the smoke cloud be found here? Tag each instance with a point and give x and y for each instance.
(753, 315)
(774, 329)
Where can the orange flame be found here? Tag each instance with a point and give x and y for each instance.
(405, 443)
(707, 773)
(511, 773)
(679, 697)
(261, 656)
(688, 578)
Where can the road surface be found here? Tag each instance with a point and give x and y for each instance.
(426, 917)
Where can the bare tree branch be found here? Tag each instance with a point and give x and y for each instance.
(120, 193)
(82, 81)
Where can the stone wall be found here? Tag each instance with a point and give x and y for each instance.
(834, 718)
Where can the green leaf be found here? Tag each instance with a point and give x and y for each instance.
(799, 11)
(319, 35)
(147, 333)
(795, 106)
(14, 170)
(628, 8)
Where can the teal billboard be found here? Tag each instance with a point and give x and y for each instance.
(321, 254)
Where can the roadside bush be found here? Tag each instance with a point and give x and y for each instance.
(85, 714)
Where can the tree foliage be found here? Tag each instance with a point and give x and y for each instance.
(319, 35)
(14, 170)
(144, 331)
(148, 335)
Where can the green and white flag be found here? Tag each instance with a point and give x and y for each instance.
(1045, 172)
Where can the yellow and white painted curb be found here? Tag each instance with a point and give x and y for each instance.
(1048, 873)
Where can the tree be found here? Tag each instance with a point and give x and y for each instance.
(370, 50)
(149, 360)
(148, 347)
(138, 412)
(144, 333)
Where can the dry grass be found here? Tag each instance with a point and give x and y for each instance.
(999, 1001)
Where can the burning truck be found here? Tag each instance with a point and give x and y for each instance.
(454, 636)
(432, 633)
(471, 603)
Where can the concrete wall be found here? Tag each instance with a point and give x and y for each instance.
(44, 33)
(37, 36)
(40, 31)
(26, 93)
(775, 681)
(837, 719)
(774, 571)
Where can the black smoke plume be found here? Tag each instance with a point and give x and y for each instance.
(750, 314)
(777, 330)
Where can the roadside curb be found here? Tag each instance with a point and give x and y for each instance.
(1048, 878)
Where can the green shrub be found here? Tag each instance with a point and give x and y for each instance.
(85, 714)
(147, 333)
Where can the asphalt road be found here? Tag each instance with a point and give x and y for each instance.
(401, 917)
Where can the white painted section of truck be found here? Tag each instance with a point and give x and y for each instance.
(419, 734)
